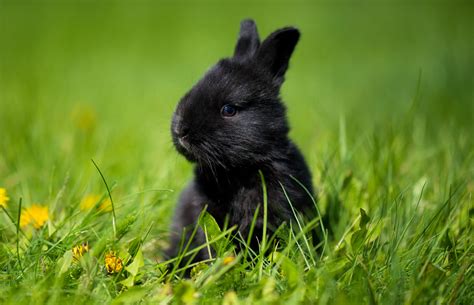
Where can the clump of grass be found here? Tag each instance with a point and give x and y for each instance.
(401, 244)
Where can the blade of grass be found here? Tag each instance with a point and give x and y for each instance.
(264, 229)
(310, 251)
(114, 219)
(18, 235)
(320, 216)
(252, 227)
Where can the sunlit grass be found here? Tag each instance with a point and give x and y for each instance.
(380, 100)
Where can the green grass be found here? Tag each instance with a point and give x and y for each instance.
(380, 99)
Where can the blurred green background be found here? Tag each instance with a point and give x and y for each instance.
(82, 80)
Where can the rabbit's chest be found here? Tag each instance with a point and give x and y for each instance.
(239, 208)
(238, 199)
(243, 205)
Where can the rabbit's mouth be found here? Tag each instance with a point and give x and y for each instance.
(200, 152)
(183, 143)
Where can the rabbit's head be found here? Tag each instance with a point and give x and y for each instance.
(233, 116)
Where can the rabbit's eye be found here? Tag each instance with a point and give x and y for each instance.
(228, 110)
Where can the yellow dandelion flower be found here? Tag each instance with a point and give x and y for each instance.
(3, 197)
(106, 205)
(36, 215)
(79, 250)
(229, 260)
(89, 201)
(113, 263)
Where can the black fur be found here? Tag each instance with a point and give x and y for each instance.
(229, 151)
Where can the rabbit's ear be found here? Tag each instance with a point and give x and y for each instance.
(248, 42)
(276, 50)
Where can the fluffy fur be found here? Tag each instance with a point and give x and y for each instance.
(230, 150)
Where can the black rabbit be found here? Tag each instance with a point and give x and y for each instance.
(232, 124)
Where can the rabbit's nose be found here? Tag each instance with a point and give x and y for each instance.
(182, 131)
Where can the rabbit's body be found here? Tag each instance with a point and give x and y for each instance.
(233, 125)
